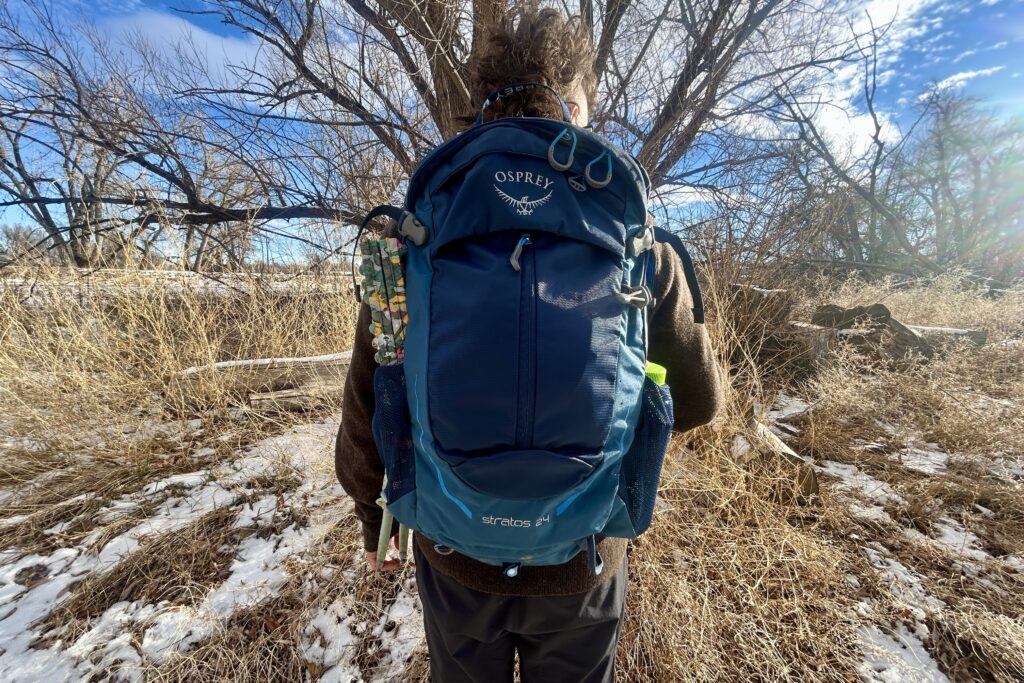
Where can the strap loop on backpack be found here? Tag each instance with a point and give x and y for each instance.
(411, 228)
(598, 184)
(642, 241)
(558, 165)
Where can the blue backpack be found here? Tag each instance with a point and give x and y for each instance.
(521, 425)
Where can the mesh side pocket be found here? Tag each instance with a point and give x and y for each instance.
(392, 430)
(641, 466)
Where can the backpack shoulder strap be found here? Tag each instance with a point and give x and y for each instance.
(671, 239)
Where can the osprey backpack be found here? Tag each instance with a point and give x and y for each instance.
(521, 425)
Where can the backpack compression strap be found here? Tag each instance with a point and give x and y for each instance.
(688, 269)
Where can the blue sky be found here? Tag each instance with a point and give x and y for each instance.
(974, 45)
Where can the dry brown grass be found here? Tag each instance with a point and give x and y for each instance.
(177, 568)
(88, 401)
(947, 300)
(261, 643)
(729, 584)
(970, 402)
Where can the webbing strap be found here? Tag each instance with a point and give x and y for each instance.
(594, 560)
(689, 271)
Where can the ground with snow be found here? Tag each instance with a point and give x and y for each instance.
(278, 505)
(897, 650)
(276, 539)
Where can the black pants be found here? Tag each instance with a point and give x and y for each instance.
(473, 636)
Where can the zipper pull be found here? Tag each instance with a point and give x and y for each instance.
(518, 251)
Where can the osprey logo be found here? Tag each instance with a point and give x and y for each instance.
(524, 204)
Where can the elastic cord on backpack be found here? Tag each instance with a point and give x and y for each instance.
(519, 87)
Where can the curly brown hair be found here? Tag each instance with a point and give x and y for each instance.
(531, 45)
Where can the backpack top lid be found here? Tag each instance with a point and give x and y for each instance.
(575, 157)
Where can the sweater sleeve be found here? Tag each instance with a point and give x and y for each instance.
(356, 461)
(682, 346)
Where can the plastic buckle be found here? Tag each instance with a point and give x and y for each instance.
(639, 297)
(411, 228)
(642, 241)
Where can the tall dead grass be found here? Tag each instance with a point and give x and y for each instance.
(88, 397)
(968, 403)
(728, 585)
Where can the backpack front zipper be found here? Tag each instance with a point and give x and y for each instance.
(527, 384)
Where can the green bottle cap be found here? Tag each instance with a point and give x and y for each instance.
(656, 372)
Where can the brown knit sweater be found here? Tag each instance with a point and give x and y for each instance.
(675, 342)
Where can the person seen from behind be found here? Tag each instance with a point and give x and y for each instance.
(563, 621)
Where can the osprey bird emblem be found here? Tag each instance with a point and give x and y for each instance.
(524, 206)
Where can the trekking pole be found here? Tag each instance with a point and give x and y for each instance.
(384, 293)
(386, 522)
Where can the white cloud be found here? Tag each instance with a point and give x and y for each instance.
(850, 132)
(904, 24)
(969, 53)
(964, 55)
(960, 79)
(681, 196)
(104, 7)
(165, 32)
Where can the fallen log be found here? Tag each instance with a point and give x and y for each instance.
(268, 379)
(765, 456)
(259, 364)
(938, 335)
(874, 330)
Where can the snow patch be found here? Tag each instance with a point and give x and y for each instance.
(899, 657)
(929, 460)
(108, 650)
(852, 479)
(787, 407)
(952, 537)
(329, 638)
(902, 582)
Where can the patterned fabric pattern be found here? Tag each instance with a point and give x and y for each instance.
(384, 293)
